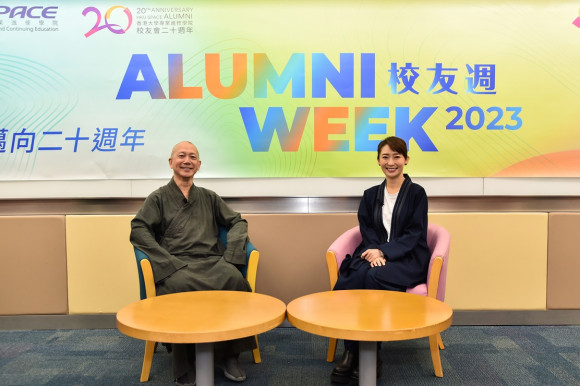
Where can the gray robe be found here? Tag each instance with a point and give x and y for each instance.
(180, 234)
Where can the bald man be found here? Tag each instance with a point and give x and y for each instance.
(177, 227)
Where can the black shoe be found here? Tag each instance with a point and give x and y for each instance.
(354, 376)
(343, 370)
(187, 379)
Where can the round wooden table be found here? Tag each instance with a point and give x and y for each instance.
(201, 317)
(370, 316)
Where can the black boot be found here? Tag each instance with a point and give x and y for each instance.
(343, 370)
(355, 372)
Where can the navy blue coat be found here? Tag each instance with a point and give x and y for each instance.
(407, 253)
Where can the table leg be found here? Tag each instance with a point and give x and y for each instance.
(204, 364)
(435, 357)
(367, 363)
(147, 359)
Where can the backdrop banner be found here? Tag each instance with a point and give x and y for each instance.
(103, 90)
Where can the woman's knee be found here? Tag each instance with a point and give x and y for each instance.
(372, 280)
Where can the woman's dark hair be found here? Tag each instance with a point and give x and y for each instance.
(395, 143)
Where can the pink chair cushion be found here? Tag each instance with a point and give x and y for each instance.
(420, 289)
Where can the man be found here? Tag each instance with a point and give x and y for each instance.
(177, 227)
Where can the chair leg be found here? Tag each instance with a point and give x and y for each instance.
(331, 349)
(147, 360)
(256, 352)
(440, 342)
(434, 346)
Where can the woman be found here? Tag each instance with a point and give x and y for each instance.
(393, 254)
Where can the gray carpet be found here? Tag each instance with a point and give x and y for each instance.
(505, 355)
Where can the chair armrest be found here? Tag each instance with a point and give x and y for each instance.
(346, 244)
(252, 268)
(148, 278)
(332, 268)
(433, 279)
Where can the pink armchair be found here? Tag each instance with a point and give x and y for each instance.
(438, 240)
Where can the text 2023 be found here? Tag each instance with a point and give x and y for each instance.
(493, 118)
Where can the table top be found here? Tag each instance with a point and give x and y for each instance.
(201, 316)
(369, 315)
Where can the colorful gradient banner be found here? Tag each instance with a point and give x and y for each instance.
(104, 90)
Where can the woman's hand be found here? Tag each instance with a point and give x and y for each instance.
(375, 257)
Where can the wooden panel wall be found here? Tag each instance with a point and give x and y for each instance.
(33, 276)
(564, 261)
(498, 261)
(101, 264)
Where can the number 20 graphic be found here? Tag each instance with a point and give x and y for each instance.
(114, 28)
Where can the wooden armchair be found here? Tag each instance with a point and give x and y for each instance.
(147, 290)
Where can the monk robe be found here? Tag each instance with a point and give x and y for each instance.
(180, 236)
